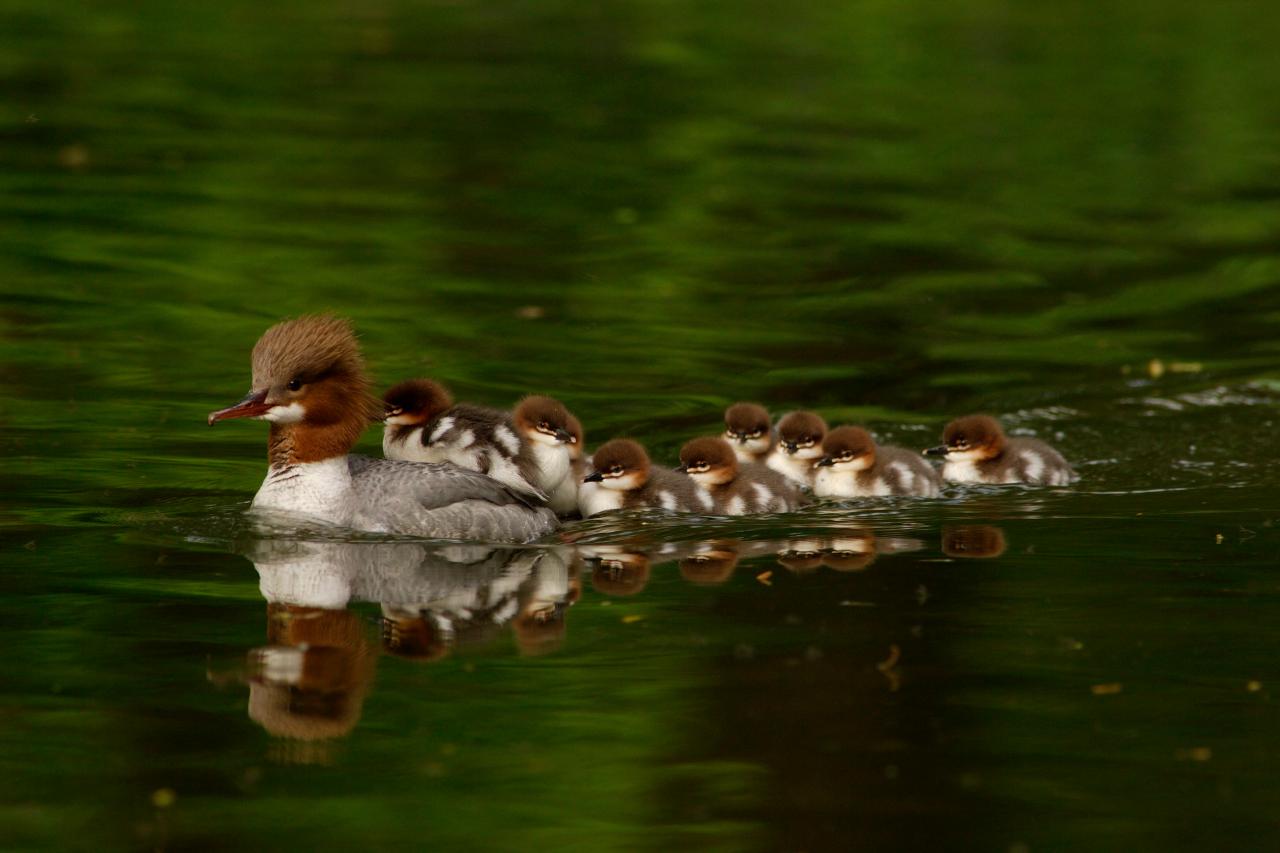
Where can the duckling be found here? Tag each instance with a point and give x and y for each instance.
(554, 436)
(799, 446)
(748, 429)
(855, 467)
(624, 478)
(975, 450)
(423, 424)
(736, 488)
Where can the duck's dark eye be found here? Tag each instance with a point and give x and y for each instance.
(616, 469)
(295, 384)
(544, 425)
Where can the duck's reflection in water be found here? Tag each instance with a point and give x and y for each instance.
(980, 541)
(308, 683)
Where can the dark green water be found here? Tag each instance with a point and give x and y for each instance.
(1066, 214)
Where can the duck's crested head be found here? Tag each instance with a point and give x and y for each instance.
(848, 448)
(744, 422)
(545, 420)
(801, 434)
(972, 438)
(710, 461)
(305, 350)
(415, 402)
(620, 464)
(308, 372)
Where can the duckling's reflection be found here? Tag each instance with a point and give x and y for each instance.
(711, 563)
(616, 570)
(974, 541)
(851, 549)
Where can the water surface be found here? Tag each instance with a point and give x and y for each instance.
(1066, 215)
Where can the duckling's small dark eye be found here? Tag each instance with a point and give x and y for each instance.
(295, 384)
(544, 425)
(616, 469)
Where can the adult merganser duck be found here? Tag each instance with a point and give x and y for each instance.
(309, 382)
(800, 436)
(423, 424)
(748, 429)
(856, 467)
(553, 436)
(736, 488)
(624, 478)
(975, 450)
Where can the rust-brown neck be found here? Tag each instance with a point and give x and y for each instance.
(291, 444)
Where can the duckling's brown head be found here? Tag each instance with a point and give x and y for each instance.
(544, 420)
(709, 461)
(414, 402)
(621, 464)
(848, 448)
(973, 438)
(801, 434)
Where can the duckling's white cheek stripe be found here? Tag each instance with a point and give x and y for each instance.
(964, 456)
(290, 414)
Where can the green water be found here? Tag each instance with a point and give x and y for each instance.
(1065, 214)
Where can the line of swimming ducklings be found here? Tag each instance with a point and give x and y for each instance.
(754, 466)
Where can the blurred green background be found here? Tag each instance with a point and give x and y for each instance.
(1066, 214)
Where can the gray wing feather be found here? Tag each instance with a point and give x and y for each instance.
(443, 501)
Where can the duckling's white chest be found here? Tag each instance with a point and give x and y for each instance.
(553, 463)
(594, 499)
(962, 471)
(797, 470)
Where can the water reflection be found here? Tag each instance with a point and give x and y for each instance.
(982, 541)
(309, 681)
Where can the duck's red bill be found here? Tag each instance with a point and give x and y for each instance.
(253, 405)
